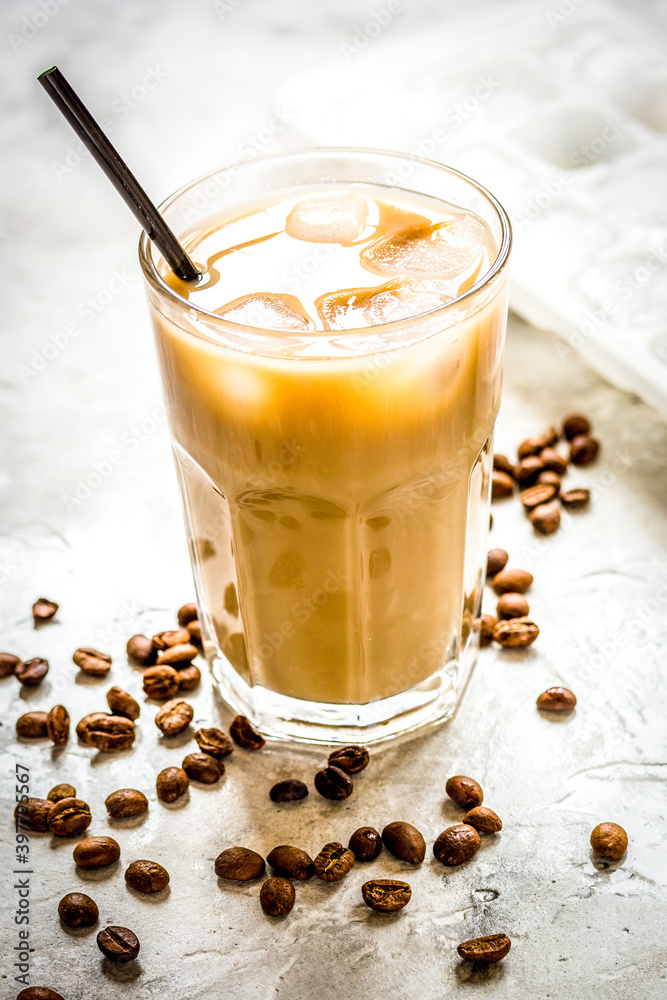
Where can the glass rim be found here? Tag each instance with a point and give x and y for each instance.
(157, 282)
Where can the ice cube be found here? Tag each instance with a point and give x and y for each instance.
(328, 218)
(268, 312)
(401, 298)
(424, 252)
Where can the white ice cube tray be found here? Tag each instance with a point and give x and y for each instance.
(564, 119)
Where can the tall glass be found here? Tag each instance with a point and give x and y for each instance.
(335, 484)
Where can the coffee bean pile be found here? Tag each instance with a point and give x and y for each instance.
(512, 628)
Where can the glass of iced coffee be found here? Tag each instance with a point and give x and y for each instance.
(332, 383)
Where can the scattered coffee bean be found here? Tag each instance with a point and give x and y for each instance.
(457, 844)
(83, 725)
(175, 655)
(57, 725)
(386, 895)
(126, 802)
(194, 629)
(32, 726)
(174, 717)
(503, 464)
(78, 910)
(545, 518)
(243, 733)
(531, 446)
(43, 609)
(186, 614)
(502, 485)
(550, 479)
(575, 425)
(535, 495)
(8, 664)
(118, 943)
(289, 790)
(515, 581)
(171, 784)
(519, 633)
(277, 897)
(32, 672)
(527, 470)
(96, 852)
(351, 759)
(485, 950)
(465, 792)
(575, 499)
(140, 650)
(291, 862)
(147, 876)
(512, 606)
(333, 862)
(204, 768)
(91, 661)
(609, 840)
(495, 561)
(584, 449)
(549, 437)
(189, 678)
(110, 733)
(556, 699)
(365, 843)
(38, 993)
(553, 461)
(483, 819)
(404, 842)
(214, 742)
(69, 817)
(487, 623)
(34, 815)
(332, 783)
(122, 703)
(62, 791)
(175, 637)
(239, 864)
(160, 682)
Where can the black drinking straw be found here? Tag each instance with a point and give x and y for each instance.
(117, 171)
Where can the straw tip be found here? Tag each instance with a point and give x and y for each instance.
(48, 72)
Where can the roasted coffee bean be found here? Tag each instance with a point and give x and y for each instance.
(549, 437)
(350, 759)
(38, 993)
(189, 678)
(194, 629)
(291, 862)
(122, 703)
(553, 461)
(277, 897)
(289, 790)
(584, 449)
(457, 844)
(485, 950)
(32, 672)
(32, 726)
(487, 623)
(96, 852)
(466, 792)
(175, 637)
(239, 864)
(531, 446)
(519, 633)
(118, 943)
(243, 733)
(34, 815)
(575, 499)
(404, 842)
(160, 682)
(333, 862)
(550, 478)
(545, 518)
(62, 791)
(126, 802)
(556, 699)
(175, 655)
(386, 895)
(365, 843)
(496, 560)
(57, 725)
(43, 609)
(609, 840)
(575, 425)
(174, 717)
(83, 725)
(332, 783)
(536, 495)
(512, 606)
(147, 876)
(91, 661)
(186, 614)
(483, 819)
(503, 464)
(527, 470)
(8, 664)
(78, 910)
(502, 485)
(214, 742)
(110, 733)
(171, 784)
(516, 581)
(140, 650)
(202, 767)
(69, 817)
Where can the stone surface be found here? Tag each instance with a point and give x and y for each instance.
(114, 557)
